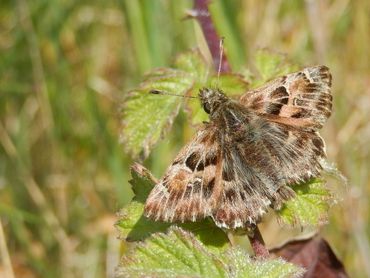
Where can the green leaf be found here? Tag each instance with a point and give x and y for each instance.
(309, 207)
(270, 65)
(231, 84)
(243, 266)
(142, 182)
(146, 117)
(133, 226)
(173, 255)
(194, 64)
(180, 254)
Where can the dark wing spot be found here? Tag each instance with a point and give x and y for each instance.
(200, 166)
(211, 159)
(175, 162)
(298, 102)
(311, 88)
(242, 196)
(196, 186)
(192, 160)
(230, 195)
(188, 190)
(280, 94)
(324, 69)
(227, 175)
(305, 78)
(165, 182)
(208, 189)
(325, 74)
(299, 114)
(317, 141)
(319, 144)
(273, 108)
(284, 100)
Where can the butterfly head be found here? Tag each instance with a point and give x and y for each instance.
(211, 99)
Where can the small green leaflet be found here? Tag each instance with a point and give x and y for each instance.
(179, 254)
(309, 207)
(269, 65)
(244, 266)
(142, 182)
(132, 225)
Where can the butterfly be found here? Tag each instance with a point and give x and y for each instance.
(245, 158)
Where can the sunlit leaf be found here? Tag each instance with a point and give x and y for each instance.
(132, 225)
(180, 254)
(177, 254)
(194, 64)
(231, 84)
(142, 182)
(243, 266)
(310, 205)
(270, 65)
(146, 117)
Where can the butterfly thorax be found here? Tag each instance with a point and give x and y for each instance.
(212, 99)
(224, 112)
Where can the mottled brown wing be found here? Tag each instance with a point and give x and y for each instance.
(301, 99)
(190, 183)
(258, 169)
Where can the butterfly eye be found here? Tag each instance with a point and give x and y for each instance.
(207, 107)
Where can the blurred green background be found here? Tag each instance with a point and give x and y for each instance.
(65, 67)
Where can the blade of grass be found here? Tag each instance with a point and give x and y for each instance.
(133, 11)
(4, 254)
(223, 16)
(37, 66)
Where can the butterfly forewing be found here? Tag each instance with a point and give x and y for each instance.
(301, 98)
(186, 190)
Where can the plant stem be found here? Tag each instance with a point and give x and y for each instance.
(257, 243)
(201, 13)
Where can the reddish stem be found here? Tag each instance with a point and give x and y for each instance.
(257, 243)
(202, 14)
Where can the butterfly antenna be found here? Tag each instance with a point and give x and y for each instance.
(157, 92)
(220, 60)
